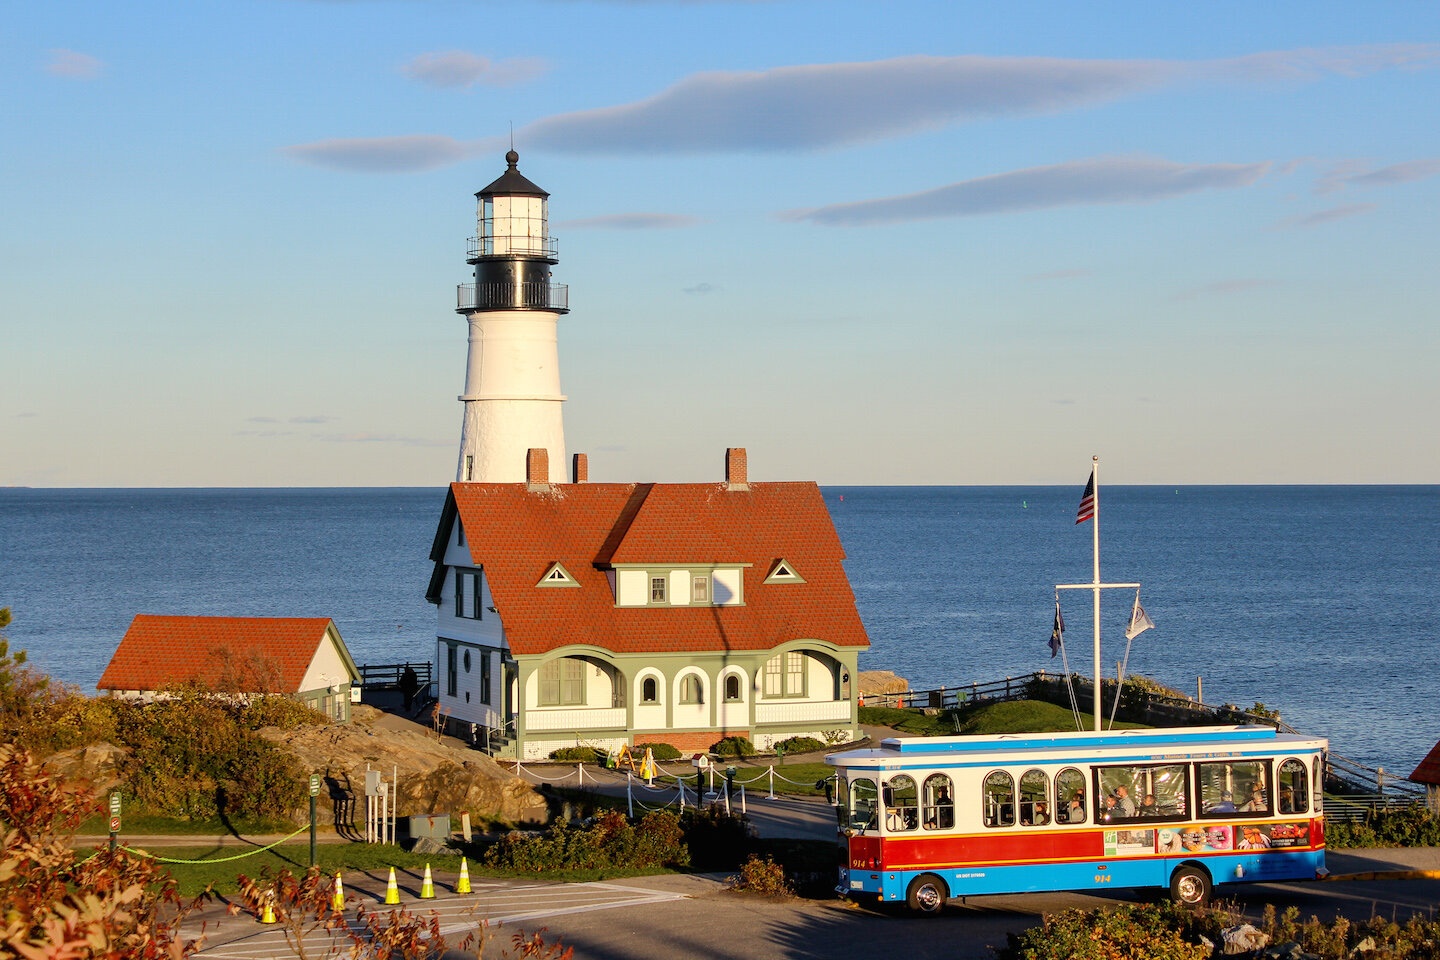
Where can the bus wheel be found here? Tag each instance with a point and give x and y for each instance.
(1190, 886)
(927, 894)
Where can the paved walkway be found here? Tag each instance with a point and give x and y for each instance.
(492, 904)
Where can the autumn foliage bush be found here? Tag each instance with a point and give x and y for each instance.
(60, 903)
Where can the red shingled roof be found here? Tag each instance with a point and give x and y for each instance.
(1429, 770)
(516, 534)
(159, 651)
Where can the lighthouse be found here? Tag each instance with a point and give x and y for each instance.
(512, 393)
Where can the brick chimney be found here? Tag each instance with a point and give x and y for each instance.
(581, 468)
(736, 475)
(537, 468)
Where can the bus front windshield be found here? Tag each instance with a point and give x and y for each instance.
(862, 805)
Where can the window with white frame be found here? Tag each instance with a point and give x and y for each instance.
(484, 676)
(657, 589)
(700, 589)
(467, 594)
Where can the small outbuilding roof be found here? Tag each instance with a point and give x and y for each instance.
(1429, 770)
(223, 652)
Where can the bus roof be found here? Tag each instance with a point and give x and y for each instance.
(1183, 739)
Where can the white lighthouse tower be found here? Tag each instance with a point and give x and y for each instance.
(512, 375)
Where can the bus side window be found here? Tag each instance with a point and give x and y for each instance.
(1070, 796)
(999, 799)
(862, 803)
(938, 809)
(901, 810)
(1034, 798)
(1293, 793)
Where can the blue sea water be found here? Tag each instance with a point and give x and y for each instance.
(1319, 601)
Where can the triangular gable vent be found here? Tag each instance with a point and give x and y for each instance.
(783, 572)
(557, 576)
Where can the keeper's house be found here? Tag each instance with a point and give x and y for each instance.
(610, 613)
(302, 657)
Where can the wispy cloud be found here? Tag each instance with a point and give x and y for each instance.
(404, 154)
(457, 69)
(631, 221)
(701, 289)
(1307, 220)
(382, 438)
(1357, 174)
(74, 65)
(831, 105)
(1102, 180)
(1225, 288)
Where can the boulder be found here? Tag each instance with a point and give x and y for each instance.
(433, 775)
(881, 681)
(95, 764)
(1243, 938)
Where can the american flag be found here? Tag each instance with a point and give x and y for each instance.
(1087, 502)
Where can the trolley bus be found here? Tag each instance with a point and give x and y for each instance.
(926, 819)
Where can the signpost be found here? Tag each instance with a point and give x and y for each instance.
(114, 818)
(314, 792)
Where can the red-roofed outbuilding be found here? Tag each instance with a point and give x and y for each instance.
(1428, 773)
(303, 657)
(621, 613)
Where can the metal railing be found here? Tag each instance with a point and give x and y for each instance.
(512, 296)
(546, 247)
(386, 676)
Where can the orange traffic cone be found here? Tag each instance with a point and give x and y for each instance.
(392, 891)
(337, 902)
(427, 886)
(267, 914)
(463, 884)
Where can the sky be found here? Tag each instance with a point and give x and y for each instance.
(902, 242)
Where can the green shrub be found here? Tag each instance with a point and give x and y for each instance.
(576, 754)
(1154, 931)
(762, 876)
(716, 840)
(610, 842)
(661, 751)
(1398, 827)
(733, 747)
(799, 745)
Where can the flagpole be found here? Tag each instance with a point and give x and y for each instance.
(1095, 531)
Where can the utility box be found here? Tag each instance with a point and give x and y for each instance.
(436, 826)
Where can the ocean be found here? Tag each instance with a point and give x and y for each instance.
(1318, 601)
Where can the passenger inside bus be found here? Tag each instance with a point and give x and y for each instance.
(1257, 802)
(1075, 812)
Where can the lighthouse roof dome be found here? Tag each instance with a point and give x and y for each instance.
(512, 182)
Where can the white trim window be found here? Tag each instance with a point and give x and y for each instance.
(468, 594)
(657, 590)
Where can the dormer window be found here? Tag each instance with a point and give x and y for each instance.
(557, 576)
(783, 572)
